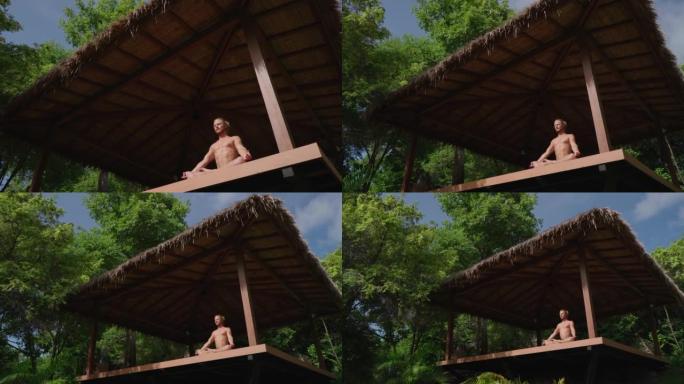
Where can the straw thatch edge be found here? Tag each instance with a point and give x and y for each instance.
(554, 237)
(69, 68)
(243, 214)
(485, 43)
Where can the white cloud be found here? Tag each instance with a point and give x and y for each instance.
(322, 212)
(655, 203)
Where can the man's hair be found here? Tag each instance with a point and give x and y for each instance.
(223, 318)
(224, 120)
(565, 123)
(565, 310)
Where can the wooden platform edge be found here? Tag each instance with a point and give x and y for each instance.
(584, 162)
(262, 165)
(596, 341)
(238, 352)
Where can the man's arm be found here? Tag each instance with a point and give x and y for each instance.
(572, 331)
(242, 151)
(546, 153)
(575, 149)
(208, 158)
(208, 343)
(555, 332)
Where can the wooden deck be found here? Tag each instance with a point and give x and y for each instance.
(615, 362)
(606, 172)
(256, 364)
(310, 167)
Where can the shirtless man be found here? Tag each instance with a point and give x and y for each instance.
(226, 151)
(563, 146)
(221, 337)
(565, 329)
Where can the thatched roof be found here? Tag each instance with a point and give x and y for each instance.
(500, 94)
(139, 99)
(174, 289)
(527, 284)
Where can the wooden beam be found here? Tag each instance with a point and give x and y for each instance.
(653, 324)
(595, 101)
(408, 167)
(218, 56)
(250, 323)
(38, 172)
(164, 58)
(586, 294)
(281, 131)
(449, 350)
(270, 50)
(90, 363)
(557, 42)
(322, 364)
(667, 156)
(252, 255)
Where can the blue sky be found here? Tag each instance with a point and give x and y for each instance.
(656, 218)
(400, 20)
(318, 215)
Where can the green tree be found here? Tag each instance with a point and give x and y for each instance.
(489, 223)
(390, 265)
(90, 17)
(454, 23)
(373, 65)
(36, 272)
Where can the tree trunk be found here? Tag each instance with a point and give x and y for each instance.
(482, 339)
(458, 174)
(103, 181)
(129, 355)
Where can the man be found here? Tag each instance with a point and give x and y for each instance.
(563, 146)
(221, 337)
(226, 151)
(565, 329)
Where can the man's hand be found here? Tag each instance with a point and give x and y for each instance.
(247, 156)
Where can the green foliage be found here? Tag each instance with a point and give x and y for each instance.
(454, 23)
(137, 221)
(390, 265)
(90, 17)
(475, 214)
(36, 272)
(375, 64)
(493, 378)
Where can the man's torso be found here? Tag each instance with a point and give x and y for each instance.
(561, 146)
(221, 337)
(224, 151)
(564, 329)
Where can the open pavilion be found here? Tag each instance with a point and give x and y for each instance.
(248, 263)
(139, 100)
(602, 65)
(591, 265)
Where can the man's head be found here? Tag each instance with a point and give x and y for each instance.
(559, 125)
(564, 314)
(221, 125)
(219, 320)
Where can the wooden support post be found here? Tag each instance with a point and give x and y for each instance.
(653, 323)
(250, 323)
(539, 337)
(273, 108)
(449, 350)
(103, 181)
(317, 344)
(90, 363)
(594, 100)
(667, 157)
(408, 168)
(586, 295)
(37, 179)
